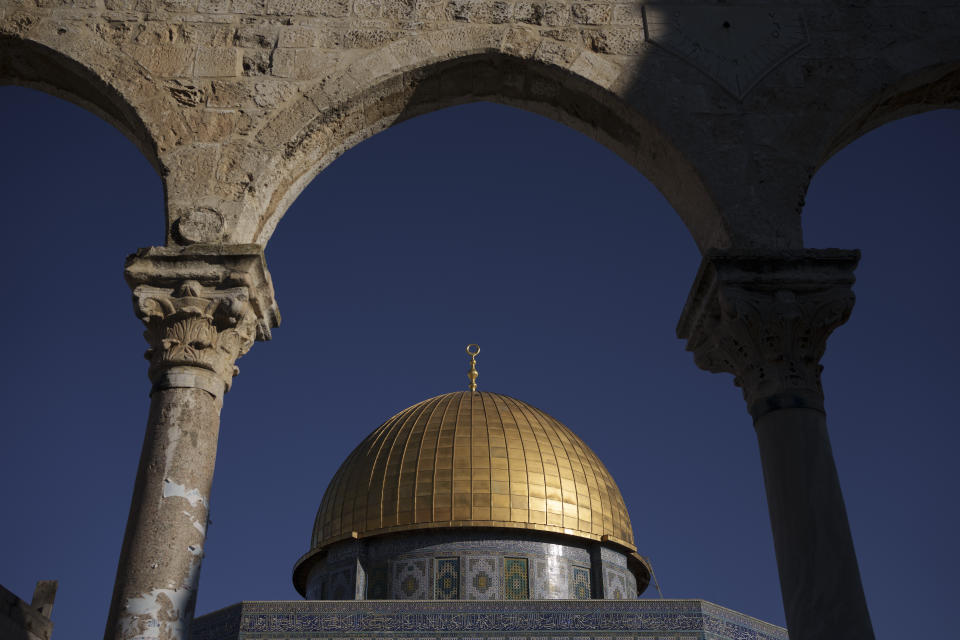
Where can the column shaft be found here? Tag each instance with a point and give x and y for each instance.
(159, 569)
(202, 307)
(819, 577)
(766, 318)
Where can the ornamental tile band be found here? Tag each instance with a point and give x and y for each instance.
(516, 579)
(483, 578)
(447, 585)
(581, 583)
(565, 619)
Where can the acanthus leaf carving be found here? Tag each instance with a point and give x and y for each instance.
(766, 320)
(196, 326)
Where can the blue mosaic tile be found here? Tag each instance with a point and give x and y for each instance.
(581, 583)
(615, 585)
(550, 566)
(377, 583)
(411, 580)
(482, 581)
(516, 579)
(447, 580)
(610, 556)
(482, 578)
(340, 585)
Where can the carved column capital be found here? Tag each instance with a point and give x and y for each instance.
(766, 320)
(203, 308)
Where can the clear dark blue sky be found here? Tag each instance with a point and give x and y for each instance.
(479, 224)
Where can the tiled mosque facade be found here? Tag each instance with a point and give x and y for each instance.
(485, 565)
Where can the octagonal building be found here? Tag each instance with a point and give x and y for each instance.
(474, 515)
(472, 496)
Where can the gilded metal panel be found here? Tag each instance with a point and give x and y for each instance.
(472, 459)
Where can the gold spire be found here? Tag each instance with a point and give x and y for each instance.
(472, 374)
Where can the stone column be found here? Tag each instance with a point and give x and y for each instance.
(203, 307)
(766, 319)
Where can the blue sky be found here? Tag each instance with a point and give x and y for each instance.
(483, 224)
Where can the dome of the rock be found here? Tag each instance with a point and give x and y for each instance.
(472, 475)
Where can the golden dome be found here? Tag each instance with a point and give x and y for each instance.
(472, 459)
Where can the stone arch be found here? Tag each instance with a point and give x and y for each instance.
(926, 89)
(414, 77)
(32, 64)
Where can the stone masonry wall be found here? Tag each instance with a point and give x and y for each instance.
(727, 108)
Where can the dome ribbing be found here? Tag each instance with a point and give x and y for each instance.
(472, 459)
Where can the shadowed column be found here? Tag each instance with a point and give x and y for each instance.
(202, 312)
(766, 319)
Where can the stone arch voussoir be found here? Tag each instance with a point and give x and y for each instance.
(70, 62)
(504, 64)
(933, 87)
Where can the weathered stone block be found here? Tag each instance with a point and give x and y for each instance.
(399, 10)
(185, 93)
(297, 37)
(209, 34)
(215, 6)
(179, 6)
(158, 33)
(250, 7)
(556, 53)
(193, 170)
(614, 40)
(556, 14)
(218, 62)
(367, 38)
(373, 69)
(71, 4)
(368, 9)
(252, 36)
(284, 63)
(520, 42)
(256, 62)
(288, 122)
(597, 69)
(119, 5)
(314, 8)
(227, 94)
(168, 61)
(529, 12)
(328, 39)
(331, 90)
(210, 125)
(117, 32)
(312, 64)
(481, 11)
(628, 14)
(270, 93)
(590, 13)
(565, 34)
